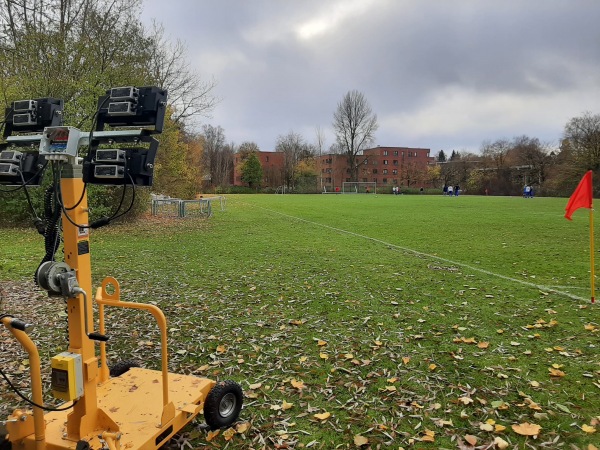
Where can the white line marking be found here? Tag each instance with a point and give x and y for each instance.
(427, 255)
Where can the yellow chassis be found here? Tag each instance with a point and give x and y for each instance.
(141, 409)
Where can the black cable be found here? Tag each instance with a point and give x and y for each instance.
(52, 227)
(31, 402)
(80, 199)
(27, 183)
(132, 197)
(11, 109)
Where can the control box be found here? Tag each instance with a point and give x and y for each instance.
(59, 143)
(67, 376)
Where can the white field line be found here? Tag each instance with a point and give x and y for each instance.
(427, 255)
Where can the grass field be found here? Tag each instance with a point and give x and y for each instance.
(359, 320)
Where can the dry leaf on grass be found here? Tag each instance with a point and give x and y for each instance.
(527, 429)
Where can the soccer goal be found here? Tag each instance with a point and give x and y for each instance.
(359, 187)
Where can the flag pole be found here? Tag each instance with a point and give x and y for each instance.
(592, 252)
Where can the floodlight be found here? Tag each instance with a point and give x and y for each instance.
(124, 93)
(18, 167)
(121, 166)
(132, 107)
(108, 155)
(30, 116)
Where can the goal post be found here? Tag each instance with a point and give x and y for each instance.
(359, 187)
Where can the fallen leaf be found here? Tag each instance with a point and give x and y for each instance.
(285, 405)
(322, 416)
(486, 427)
(472, 440)
(465, 400)
(228, 434)
(360, 440)
(483, 345)
(297, 384)
(242, 427)
(588, 429)
(428, 436)
(500, 443)
(527, 429)
(212, 434)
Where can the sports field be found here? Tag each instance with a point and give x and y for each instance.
(359, 320)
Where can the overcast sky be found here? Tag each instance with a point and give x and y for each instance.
(439, 74)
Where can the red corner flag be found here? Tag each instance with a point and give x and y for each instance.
(581, 197)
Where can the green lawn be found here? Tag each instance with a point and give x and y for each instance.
(409, 321)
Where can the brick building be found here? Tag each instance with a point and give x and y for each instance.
(387, 166)
(272, 165)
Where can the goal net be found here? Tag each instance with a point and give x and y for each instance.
(359, 187)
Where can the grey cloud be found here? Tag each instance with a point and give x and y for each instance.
(400, 53)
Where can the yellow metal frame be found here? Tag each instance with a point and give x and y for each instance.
(124, 412)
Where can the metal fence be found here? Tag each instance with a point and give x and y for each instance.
(175, 207)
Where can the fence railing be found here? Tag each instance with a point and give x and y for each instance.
(175, 207)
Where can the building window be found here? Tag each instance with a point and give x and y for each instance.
(395, 171)
(364, 180)
(385, 171)
(374, 180)
(395, 162)
(395, 152)
(385, 181)
(374, 170)
(385, 153)
(267, 159)
(348, 180)
(374, 162)
(385, 162)
(366, 162)
(395, 181)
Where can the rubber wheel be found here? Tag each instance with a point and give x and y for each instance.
(5, 444)
(121, 367)
(223, 404)
(82, 445)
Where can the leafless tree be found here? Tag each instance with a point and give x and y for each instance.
(190, 95)
(583, 137)
(294, 150)
(217, 156)
(355, 124)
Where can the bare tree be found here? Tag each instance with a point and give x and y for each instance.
(355, 124)
(583, 137)
(246, 149)
(217, 156)
(319, 139)
(294, 150)
(190, 95)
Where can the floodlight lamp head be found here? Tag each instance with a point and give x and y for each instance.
(32, 116)
(129, 106)
(18, 168)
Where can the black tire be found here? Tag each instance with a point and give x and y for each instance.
(121, 367)
(223, 404)
(82, 445)
(5, 444)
